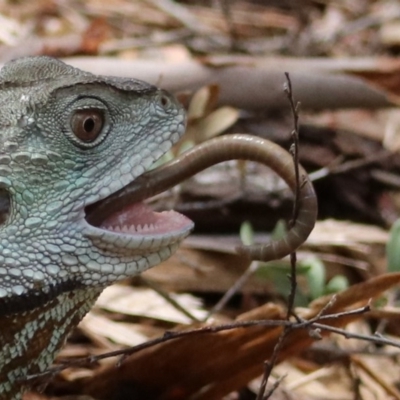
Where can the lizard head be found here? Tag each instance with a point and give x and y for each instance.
(70, 139)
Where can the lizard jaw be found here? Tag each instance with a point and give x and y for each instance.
(136, 229)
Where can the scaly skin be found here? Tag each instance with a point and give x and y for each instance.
(53, 264)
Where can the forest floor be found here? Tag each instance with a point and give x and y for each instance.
(220, 325)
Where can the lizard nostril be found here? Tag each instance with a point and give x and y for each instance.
(87, 124)
(165, 101)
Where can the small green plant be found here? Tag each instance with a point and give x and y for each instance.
(393, 248)
(311, 272)
(246, 233)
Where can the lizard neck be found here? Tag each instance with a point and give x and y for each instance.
(39, 302)
(31, 341)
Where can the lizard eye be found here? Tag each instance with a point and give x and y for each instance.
(87, 124)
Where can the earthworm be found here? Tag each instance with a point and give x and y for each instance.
(228, 147)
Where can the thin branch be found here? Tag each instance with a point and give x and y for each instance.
(269, 365)
(295, 146)
(275, 386)
(254, 265)
(172, 335)
(168, 299)
(351, 165)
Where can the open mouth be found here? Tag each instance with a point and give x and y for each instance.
(140, 219)
(124, 212)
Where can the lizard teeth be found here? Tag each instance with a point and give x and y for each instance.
(139, 220)
(125, 229)
(132, 229)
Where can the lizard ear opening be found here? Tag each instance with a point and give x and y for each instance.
(5, 204)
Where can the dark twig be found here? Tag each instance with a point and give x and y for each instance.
(168, 298)
(348, 166)
(168, 336)
(295, 146)
(275, 386)
(296, 205)
(269, 365)
(234, 288)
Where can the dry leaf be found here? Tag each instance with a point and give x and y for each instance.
(216, 122)
(147, 303)
(118, 332)
(209, 366)
(203, 101)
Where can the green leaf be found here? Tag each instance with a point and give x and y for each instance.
(337, 284)
(280, 230)
(393, 248)
(316, 276)
(246, 233)
(186, 145)
(278, 272)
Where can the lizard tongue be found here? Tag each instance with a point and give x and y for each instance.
(139, 218)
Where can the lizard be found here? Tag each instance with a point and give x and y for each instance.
(71, 141)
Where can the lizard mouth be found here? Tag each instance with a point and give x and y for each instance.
(140, 219)
(125, 212)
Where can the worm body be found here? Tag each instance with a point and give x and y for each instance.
(214, 151)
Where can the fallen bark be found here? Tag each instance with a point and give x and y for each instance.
(257, 83)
